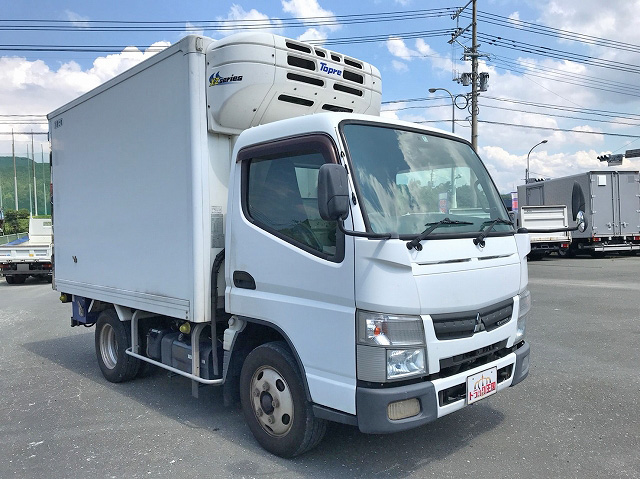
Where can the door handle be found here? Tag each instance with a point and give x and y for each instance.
(242, 279)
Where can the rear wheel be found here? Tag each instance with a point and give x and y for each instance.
(19, 278)
(569, 252)
(274, 402)
(10, 279)
(112, 338)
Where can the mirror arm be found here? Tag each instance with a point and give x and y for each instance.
(554, 230)
(380, 236)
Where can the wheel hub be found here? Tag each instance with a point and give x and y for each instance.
(266, 402)
(272, 401)
(108, 346)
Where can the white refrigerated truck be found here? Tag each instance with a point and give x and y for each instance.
(236, 212)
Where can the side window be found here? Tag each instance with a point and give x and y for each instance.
(281, 196)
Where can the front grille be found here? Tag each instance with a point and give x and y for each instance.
(465, 324)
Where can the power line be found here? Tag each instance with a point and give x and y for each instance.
(221, 25)
(150, 48)
(561, 76)
(581, 110)
(549, 52)
(560, 129)
(521, 25)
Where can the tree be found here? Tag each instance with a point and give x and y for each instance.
(16, 221)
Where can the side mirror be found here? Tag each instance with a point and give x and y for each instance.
(578, 207)
(333, 192)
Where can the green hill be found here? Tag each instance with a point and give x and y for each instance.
(24, 169)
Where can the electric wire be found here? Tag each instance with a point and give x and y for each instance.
(220, 24)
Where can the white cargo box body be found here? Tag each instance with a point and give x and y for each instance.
(131, 179)
(141, 163)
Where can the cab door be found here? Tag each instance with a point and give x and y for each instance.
(291, 269)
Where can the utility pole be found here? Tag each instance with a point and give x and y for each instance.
(478, 81)
(35, 191)
(474, 80)
(15, 174)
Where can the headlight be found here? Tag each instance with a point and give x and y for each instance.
(389, 346)
(523, 313)
(404, 362)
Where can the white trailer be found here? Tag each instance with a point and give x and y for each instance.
(210, 219)
(21, 259)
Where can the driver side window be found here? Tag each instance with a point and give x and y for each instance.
(280, 196)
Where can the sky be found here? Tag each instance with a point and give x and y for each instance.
(565, 71)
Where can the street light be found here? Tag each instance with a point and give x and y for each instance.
(526, 173)
(453, 107)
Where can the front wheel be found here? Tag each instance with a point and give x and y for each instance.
(274, 402)
(112, 338)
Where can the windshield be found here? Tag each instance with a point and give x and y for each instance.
(408, 179)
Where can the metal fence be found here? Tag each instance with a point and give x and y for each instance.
(9, 238)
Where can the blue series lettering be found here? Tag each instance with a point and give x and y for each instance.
(329, 70)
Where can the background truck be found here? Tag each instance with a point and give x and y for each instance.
(612, 208)
(28, 257)
(550, 217)
(321, 263)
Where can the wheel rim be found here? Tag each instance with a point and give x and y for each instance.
(108, 346)
(272, 401)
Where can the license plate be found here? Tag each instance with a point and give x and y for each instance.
(482, 385)
(22, 267)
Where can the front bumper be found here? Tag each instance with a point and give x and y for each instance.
(434, 396)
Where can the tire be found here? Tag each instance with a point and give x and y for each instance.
(112, 338)
(19, 278)
(10, 279)
(536, 256)
(569, 252)
(275, 404)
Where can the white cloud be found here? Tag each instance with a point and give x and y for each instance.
(307, 11)
(398, 48)
(32, 87)
(236, 19)
(514, 19)
(77, 20)
(191, 29)
(423, 51)
(313, 35)
(399, 66)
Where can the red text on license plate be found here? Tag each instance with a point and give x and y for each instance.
(481, 385)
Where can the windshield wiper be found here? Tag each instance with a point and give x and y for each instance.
(479, 240)
(415, 242)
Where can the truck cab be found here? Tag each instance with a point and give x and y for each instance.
(407, 324)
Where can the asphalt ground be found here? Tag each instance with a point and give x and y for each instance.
(577, 415)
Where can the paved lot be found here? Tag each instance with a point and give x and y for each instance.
(577, 415)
